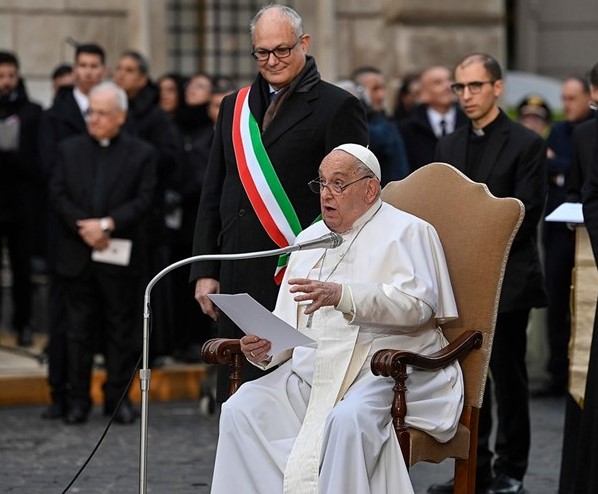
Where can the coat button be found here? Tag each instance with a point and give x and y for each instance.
(241, 212)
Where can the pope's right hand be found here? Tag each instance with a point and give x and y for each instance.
(203, 288)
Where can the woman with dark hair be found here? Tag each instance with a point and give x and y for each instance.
(172, 93)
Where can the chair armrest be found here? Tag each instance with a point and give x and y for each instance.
(393, 363)
(220, 350)
(385, 362)
(225, 351)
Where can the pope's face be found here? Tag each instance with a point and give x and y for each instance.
(339, 211)
(275, 31)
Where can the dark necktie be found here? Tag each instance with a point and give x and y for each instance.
(443, 131)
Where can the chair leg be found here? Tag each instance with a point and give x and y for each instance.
(465, 471)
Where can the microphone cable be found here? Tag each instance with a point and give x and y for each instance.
(106, 429)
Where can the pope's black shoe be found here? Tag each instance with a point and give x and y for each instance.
(503, 484)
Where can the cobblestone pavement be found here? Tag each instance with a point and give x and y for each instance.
(39, 456)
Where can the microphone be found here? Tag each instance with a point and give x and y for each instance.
(329, 241)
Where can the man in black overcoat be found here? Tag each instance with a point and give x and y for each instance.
(307, 119)
(580, 441)
(436, 116)
(511, 161)
(64, 119)
(19, 184)
(102, 190)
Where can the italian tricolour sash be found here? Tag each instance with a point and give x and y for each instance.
(261, 184)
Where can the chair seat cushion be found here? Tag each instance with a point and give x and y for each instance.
(426, 448)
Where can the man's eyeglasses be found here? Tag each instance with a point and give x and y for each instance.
(316, 186)
(279, 52)
(475, 87)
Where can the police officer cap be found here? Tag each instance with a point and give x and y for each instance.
(534, 105)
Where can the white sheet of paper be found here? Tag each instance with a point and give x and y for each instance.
(568, 212)
(254, 318)
(118, 252)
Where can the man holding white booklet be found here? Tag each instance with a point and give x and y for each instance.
(102, 191)
(321, 421)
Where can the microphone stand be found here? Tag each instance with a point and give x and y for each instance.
(145, 372)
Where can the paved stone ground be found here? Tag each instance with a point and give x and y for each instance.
(38, 456)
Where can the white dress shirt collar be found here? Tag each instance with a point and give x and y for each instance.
(436, 117)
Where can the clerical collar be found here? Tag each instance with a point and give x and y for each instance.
(491, 126)
(104, 143)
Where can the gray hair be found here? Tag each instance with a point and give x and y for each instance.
(120, 97)
(292, 16)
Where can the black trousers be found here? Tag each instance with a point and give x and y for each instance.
(17, 235)
(57, 340)
(508, 385)
(92, 297)
(559, 247)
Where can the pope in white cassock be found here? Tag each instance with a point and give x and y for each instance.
(321, 422)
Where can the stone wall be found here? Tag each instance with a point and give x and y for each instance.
(38, 31)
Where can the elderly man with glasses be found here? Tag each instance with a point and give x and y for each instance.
(321, 421)
(511, 161)
(269, 141)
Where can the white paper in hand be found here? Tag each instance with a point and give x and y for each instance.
(118, 252)
(254, 318)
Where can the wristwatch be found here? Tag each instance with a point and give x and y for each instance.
(105, 226)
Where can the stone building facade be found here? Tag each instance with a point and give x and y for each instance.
(399, 36)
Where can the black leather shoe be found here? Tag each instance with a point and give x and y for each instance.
(76, 414)
(503, 484)
(126, 414)
(55, 410)
(448, 487)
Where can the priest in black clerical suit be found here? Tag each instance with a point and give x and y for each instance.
(102, 190)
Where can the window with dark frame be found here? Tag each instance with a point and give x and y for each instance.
(212, 36)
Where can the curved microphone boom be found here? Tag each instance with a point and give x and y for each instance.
(330, 240)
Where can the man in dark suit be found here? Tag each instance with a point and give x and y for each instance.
(65, 118)
(511, 161)
(306, 120)
(19, 181)
(580, 438)
(558, 239)
(102, 186)
(436, 117)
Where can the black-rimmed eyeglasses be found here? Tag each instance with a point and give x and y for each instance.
(279, 52)
(474, 87)
(316, 186)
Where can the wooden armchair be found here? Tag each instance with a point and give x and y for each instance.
(476, 230)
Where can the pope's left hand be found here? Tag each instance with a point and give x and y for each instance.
(319, 293)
